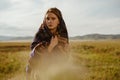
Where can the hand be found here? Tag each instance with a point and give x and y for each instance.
(62, 40)
(53, 43)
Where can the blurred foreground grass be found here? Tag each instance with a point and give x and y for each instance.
(99, 59)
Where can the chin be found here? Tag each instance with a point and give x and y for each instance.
(51, 28)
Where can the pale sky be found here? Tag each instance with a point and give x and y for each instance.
(23, 17)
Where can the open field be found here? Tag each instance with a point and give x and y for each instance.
(92, 60)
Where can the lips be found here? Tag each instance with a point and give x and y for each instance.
(50, 25)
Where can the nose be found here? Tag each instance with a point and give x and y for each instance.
(49, 21)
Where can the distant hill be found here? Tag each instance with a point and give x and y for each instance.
(84, 37)
(96, 37)
(11, 38)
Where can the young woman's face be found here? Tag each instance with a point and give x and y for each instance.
(51, 21)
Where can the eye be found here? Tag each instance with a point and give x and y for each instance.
(53, 18)
(48, 18)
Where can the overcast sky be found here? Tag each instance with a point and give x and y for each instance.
(23, 17)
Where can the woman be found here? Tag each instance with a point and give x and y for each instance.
(51, 38)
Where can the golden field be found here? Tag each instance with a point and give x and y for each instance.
(95, 60)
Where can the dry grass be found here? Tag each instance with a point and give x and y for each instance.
(90, 60)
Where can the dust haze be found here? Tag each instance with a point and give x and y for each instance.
(59, 68)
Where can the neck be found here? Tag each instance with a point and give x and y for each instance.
(53, 31)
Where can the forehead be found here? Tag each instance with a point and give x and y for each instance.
(50, 14)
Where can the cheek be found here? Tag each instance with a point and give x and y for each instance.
(46, 21)
(58, 22)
